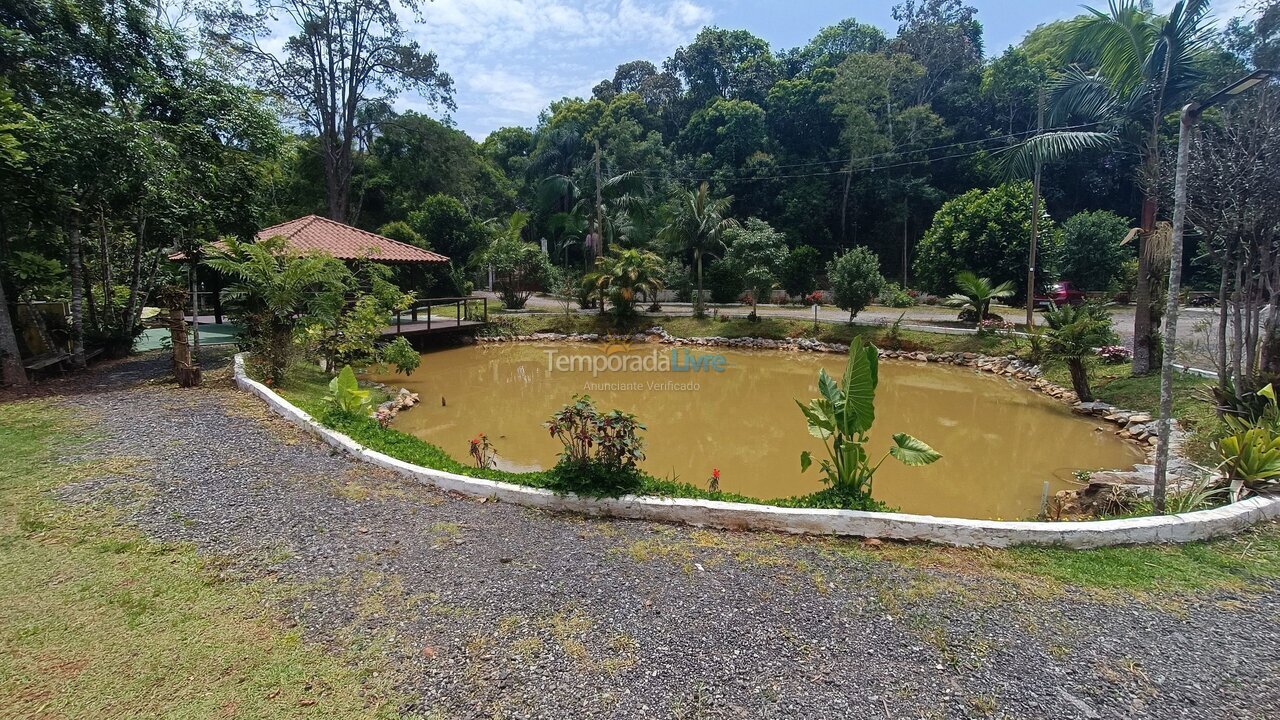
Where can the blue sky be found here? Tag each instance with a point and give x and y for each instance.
(510, 58)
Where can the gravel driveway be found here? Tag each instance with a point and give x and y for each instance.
(492, 610)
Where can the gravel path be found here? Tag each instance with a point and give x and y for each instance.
(491, 610)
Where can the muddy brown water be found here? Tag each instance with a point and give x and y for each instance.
(1000, 442)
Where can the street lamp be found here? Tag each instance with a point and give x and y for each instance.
(1190, 117)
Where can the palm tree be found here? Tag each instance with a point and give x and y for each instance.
(697, 224)
(624, 275)
(976, 294)
(1073, 336)
(620, 198)
(1145, 66)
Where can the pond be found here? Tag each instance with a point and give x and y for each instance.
(735, 410)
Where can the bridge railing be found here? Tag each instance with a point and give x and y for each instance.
(464, 311)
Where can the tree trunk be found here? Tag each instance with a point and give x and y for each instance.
(11, 370)
(699, 309)
(77, 290)
(906, 243)
(133, 310)
(1080, 379)
(1222, 327)
(104, 257)
(1143, 331)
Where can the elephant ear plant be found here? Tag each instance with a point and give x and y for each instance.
(345, 397)
(842, 418)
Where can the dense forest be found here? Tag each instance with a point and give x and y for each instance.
(129, 130)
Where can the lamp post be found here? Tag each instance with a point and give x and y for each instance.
(1190, 117)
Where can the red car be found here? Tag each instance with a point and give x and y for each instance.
(1063, 293)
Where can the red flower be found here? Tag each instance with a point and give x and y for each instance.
(715, 473)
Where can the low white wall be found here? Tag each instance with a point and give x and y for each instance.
(1200, 525)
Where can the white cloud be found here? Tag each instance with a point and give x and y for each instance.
(510, 58)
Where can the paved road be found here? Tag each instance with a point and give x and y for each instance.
(489, 610)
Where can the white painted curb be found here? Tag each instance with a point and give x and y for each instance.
(1199, 525)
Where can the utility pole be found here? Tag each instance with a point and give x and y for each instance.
(1189, 118)
(1035, 222)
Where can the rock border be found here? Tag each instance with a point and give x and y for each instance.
(1199, 525)
(1133, 426)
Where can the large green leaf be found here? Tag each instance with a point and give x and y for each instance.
(861, 375)
(819, 419)
(911, 451)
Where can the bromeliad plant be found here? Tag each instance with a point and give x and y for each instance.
(842, 418)
(1251, 453)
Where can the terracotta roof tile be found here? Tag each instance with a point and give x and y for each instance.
(347, 243)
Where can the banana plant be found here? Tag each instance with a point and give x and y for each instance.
(842, 418)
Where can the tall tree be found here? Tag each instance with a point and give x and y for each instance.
(1146, 66)
(697, 225)
(343, 59)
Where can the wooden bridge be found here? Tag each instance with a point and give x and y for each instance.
(420, 320)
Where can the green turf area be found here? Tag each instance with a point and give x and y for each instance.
(96, 621)
(1114, 384)
(158, 338)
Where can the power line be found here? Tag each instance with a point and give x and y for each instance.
(850, 162)
(897, 149)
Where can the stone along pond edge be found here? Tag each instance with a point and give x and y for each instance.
(963, 532)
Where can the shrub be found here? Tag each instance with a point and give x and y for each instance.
(600, 449)
(987, 232)
(855, 279)
(895, 297)
(1092, 256)
(757, 252)
(724, 283)
(624, 275)
(1073, 333)
(1250, 454)
(974, 298)
(273, 290)
(519, 268)
(799, 273)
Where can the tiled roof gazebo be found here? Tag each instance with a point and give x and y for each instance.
(347, 243)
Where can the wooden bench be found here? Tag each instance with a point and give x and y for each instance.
(41, 362)
(48, 360)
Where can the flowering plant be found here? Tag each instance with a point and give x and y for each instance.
(1115, 354)
(483, 452)
(994, 325)
(714, 483)
(813, 298)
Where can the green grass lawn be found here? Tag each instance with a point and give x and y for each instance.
(96, 621)
(1113, 384)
